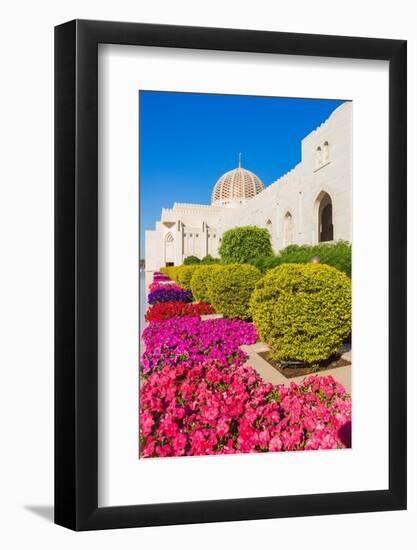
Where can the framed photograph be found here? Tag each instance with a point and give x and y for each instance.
(230, 252)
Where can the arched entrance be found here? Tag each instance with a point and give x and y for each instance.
(169, 250)
(325, 218)
(288, 229)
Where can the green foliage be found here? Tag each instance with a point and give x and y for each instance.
(265, 263)
(183, 275)
(191, 260)
(241, 244)
(210, 260)
(200, 281)
(303, 311)
(230, 289)
(337, 254)
(171, 271)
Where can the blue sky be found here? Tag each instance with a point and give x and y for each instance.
(187, 141)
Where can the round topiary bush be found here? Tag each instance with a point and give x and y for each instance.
(200, 282)
(230, 289)
(241, 244)
(303, 311)
(183, 275)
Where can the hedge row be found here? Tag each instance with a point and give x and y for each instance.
(302, 311)
(191, 260)
(227, 288)
(338, 255)
(181, 274)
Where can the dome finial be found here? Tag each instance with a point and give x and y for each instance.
(240, 160)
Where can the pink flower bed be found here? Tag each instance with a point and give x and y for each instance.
(158, 276)
(204, 408)
(198, 397)
(189, 340)
(158, 285)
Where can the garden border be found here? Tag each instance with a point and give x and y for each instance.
(76, 274)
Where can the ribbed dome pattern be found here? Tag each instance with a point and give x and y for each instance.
(238, 185)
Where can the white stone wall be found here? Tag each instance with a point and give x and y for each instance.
(289, 207)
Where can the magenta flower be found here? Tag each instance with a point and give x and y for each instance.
(201, 408)
(189, 339)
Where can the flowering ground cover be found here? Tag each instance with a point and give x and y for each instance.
(163, 311)
(188, 340)
(209, 408)
(164, 285)
(198, 397)
(169, 294)
(158, 276)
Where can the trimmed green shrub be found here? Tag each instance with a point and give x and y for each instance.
(200, 282)
(191, 260)
(183, 275)
(303, 311)
(166, 270)
(210, 260)
(337, 254)
(171, 271)
(241, 244)
(230, 289)
(264, 264)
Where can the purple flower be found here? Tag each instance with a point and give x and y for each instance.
(168, 294)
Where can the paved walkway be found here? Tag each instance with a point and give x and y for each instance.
(269, 374)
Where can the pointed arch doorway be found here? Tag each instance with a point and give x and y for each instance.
(325, 217)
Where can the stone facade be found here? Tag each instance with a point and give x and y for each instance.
(312, 203)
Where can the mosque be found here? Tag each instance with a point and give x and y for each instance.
(310, 204)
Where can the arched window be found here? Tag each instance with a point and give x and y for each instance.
(324, 207)
(326, 152)
(319, 158)
(269, 227)
(288, 229)
(169, 249)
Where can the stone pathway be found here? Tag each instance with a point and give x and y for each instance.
(269, 374)
(211, 316)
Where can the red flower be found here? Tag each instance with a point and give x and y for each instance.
(166, 310)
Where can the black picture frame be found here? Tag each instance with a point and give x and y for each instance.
(76, 272)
